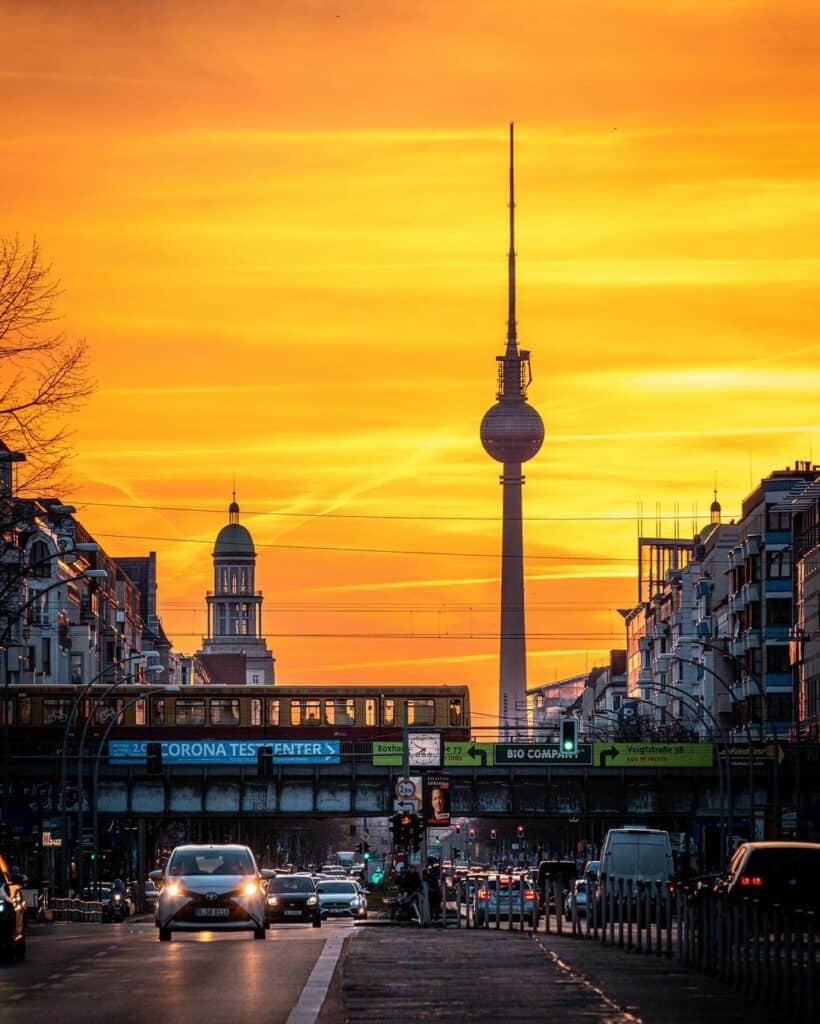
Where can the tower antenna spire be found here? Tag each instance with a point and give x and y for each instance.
(512, 339)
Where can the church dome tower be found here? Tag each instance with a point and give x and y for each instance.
(235, 649)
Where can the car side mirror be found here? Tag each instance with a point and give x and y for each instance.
(155, 876)
(268, 873)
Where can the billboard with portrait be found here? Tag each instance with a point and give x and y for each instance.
(436, 801)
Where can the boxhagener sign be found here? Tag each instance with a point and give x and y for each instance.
(209, 751)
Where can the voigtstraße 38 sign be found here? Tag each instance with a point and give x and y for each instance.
(540, 753)
(210, 751)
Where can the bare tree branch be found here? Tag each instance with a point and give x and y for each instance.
(43, 375)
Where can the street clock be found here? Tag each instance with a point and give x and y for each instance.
(424, 750)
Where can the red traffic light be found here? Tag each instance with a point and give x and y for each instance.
(493, 833)
(520, 831)
(406, 820)
(458, 828)
(472, 833)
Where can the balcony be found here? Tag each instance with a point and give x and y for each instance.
(644, 643)
(704, 626)
(781, 585)
(750, 592)
(751, 639)
(737, 601)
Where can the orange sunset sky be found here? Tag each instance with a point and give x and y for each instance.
(281, 228)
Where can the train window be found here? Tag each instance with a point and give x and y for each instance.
(225, 711)
(273, 711)
(388, 711)
(305, 712)
(421, 712)
(23, 710)
(55, 712)
(190, 712)
(106, 710)
(340, 712)
(158, 711)
(370, 711)
(139, 712)
(256, 711)
(456, 711)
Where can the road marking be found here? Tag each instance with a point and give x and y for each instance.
(313, 994)
(55, 977)
(73, 967)
(102, 952)
(16, 996)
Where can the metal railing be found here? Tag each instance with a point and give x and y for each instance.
(68, 908)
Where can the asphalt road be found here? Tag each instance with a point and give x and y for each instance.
(122, 973)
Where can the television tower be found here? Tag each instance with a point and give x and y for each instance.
(512, 432)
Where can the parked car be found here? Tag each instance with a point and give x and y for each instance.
(576, 899)
(786, 873)
(292, 898)
(341, 899)
(12, 914)
(214, 888)
(500, 896)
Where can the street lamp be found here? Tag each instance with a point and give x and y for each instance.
(80, 752)
(670, 657)
(112, 722)
(722, 748)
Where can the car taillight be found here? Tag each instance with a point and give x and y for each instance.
(483, 894)
(530, 894)
(751, 880)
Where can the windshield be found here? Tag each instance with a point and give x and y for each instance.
(345, 888)
(211, 861)
(285, 884)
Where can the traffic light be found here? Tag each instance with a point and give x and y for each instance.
(569, 736)
(359, 848)
(153, 753)
(264, 762)
(472, 833)
(415, 831)
(520, 831)
(458, 828)
(366, 851)
(493, 834)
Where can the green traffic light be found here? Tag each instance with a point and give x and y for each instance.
(367, 855)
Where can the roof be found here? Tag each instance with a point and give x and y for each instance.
(234, 539)
(224, 669)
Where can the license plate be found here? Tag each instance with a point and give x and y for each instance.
(212, 911)
(293, 913)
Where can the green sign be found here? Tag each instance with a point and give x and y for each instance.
(760, 753)
(540, 753)
(653, 755)
(469, 754)
(387, 753)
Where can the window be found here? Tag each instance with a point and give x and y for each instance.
(24, 710)
(158, 711)
(388, 711)
(779, 612)
(456, 711)
(273, 711)
(139, 712)
(256, 711)
(76, 668)
(340, 712)
(778, 565)
(780, 521)
(46, 655)
(108, 709)
(370, 711)
(56, 712)
(305, 712)
(224, 711)
(40, 561)
(777, 658)
(30, 661)
(421, 712)
(190, 712)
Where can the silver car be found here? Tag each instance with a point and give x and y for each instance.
(213, 888)
(343, 899)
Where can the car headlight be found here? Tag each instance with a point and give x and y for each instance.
(174, 889)
(312, 901)
(250, 888)
(2, 906)
(117, 898)
(273, 901)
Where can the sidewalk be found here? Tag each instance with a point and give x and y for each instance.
(407, 976)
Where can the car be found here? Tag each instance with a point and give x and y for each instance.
(292, 898)
(576, 898)
(150, 893)
(500, 896)
(784, 873)
(210, 888)
(12, 914)
(341, 899)
(636, 855)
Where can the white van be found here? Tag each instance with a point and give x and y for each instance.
(637, 854)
